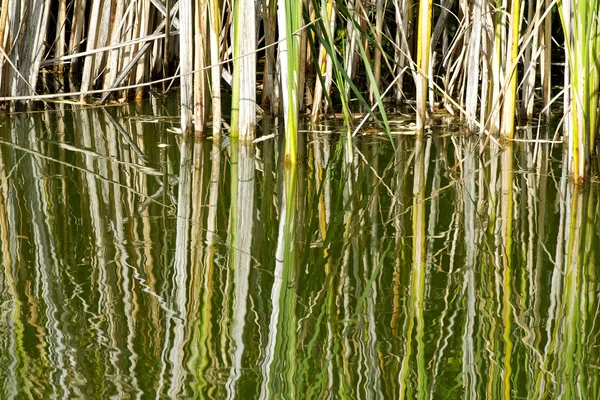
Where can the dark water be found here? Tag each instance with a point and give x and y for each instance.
(138, 264)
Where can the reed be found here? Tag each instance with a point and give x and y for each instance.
(423, 56)
(582, 49)
(289, 18)
(186, 63)
(510, 72)
(243, 103)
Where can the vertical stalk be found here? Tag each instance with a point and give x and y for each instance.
(243, 113)
(61, 27)
(165, 52)
(381, 5)
(4, 87)
(77, 25)
(270, 91)
(114, 57)
(30, 42)
(201, 45)
(215, 58)
(289, 17)
(546, 60)
(403, 17)
(328, 13)
(186, 63)
(512, 51)
(423, 53)
(473, 58)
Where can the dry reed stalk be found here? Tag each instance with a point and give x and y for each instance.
(128, 35)
(114, 57)
(135, 33)
(186, 64)
(497, 78)
(30, 44)
(270, 92)
(243, 113)
(512, 50)
(546, 60)
(351, 56)
(133, 61)
(97, 37)
(141, 70)
(165, 50)
(3, 43)
(328, 13)
(403, 15)
(201, 46)
(61, 32)
(379, 14)
(77, 27)
(487, 47)
(440, 32)
(215, 60)
(423, 55)
(473, 63)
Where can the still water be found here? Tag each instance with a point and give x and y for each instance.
(139, 264)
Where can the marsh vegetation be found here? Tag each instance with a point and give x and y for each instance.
(299, 199)
(486, 63)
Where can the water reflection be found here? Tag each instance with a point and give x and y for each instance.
(137, 263)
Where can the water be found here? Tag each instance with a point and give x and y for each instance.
(138, 264)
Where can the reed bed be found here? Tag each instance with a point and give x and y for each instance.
(490, 64)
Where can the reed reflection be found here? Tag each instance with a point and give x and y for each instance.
(138, 263)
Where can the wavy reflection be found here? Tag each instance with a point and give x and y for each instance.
(139, 263)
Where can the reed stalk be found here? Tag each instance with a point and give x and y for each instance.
(473, 62)
(214, 14)
(29, 38)
(546, 62)
(582, 47)
(186, 64)
(375, 85)
(328, 14)
(243, 103)
(289, 18)
(270, 93)
(114, 57)
(403, 14)
(510, 72)
(96, 37)
(423, 59)
(200, 51)
(140, 73)
(3, 43)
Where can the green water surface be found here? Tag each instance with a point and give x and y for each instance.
(137, 263)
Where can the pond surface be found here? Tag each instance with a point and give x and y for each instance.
(139, 264)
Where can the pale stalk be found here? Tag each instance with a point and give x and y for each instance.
(510, 96)
(201, 45)
(186, 63)
(289, 16)
(471, 100)
(215, 70)
(423, 53)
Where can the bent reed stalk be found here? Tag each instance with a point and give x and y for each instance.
(486, 63)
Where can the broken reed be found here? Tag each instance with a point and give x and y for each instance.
(482, 60)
